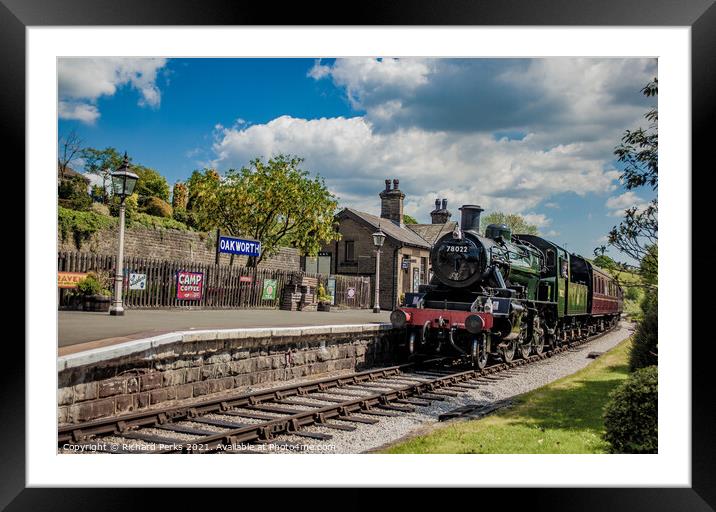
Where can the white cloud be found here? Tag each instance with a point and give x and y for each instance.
(319, 71)
(617, 204)
(508, 175)
(79, 111)
(82, 81)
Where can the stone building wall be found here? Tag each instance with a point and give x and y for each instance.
(173, 245)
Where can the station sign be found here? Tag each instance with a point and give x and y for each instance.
(190, 285)
(69, 279)
(231, 245)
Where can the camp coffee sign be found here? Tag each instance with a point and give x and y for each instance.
(190, 285)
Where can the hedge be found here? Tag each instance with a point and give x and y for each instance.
(630, 416)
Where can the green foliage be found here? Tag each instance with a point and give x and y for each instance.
(605, 262)
(637, 235)
(150, 183)
(131, 207)
(180, 196)
(630, 416)
(81, 225)
(73, 191)
(102, 162)
(90, 285)
(644, 351)
(515, 222)
(322, 295)
(153, 222)
(99, 208)
(275, 202)
(96, 282)
(632, 293)
(408, 219)
(157, 207)
(99, 194)
(639, 148)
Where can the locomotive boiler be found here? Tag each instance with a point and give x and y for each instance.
(502, 295)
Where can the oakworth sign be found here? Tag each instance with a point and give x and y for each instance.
(231, 245)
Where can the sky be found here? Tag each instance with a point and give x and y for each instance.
(528, 136)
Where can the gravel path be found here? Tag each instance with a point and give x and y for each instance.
(390, 429)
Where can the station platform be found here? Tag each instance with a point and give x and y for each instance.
(80, 331)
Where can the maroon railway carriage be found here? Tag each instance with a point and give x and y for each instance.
(607, 297)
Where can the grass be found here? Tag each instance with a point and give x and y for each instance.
(562, 417)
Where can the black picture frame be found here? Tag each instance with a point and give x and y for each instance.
(700, 15)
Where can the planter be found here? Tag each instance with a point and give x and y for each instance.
(324, 306)
(96, 303)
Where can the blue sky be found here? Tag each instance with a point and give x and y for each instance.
(528, 136)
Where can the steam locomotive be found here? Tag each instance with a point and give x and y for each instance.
(504, 295)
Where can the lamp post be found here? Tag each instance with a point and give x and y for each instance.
(123, 181)
(378, 239)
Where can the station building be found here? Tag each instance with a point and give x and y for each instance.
(405, 255)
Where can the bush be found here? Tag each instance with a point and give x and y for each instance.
(157, 207)
(644, 350)
(90, 285)
(81, 225)
(131, 207)
(630, 416)
(153, 222)
(72, 193)
(100, 209)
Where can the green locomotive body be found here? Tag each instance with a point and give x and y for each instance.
(501, 294)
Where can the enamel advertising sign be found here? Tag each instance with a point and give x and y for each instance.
(190, 285)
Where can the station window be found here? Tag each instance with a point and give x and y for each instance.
(350, 251)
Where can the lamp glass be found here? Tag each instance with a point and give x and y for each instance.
(378, 238)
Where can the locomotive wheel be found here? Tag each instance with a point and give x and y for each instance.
(479, 352)
(538, 343)
(508, 353)
(525, 349)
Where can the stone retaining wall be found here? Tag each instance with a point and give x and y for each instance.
(136, 375)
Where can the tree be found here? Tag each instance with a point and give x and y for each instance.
(102, 162)
(70, 149)
(275, 202)
(179, 195)
(637, 235)
(408, 219)
(150, 183)
(515, 222)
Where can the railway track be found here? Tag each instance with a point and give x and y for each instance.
(337, 403)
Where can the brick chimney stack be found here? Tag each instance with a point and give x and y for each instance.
(440, 215)
(391, 203)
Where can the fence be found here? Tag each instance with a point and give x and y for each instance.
(224, 286)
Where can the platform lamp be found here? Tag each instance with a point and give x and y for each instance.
(123, 182)
(378, 239)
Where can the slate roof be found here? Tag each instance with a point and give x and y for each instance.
(398, 233)
(432, 232)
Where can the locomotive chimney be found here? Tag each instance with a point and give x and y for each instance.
(440, 215)
(391, 203)
(470, 218)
